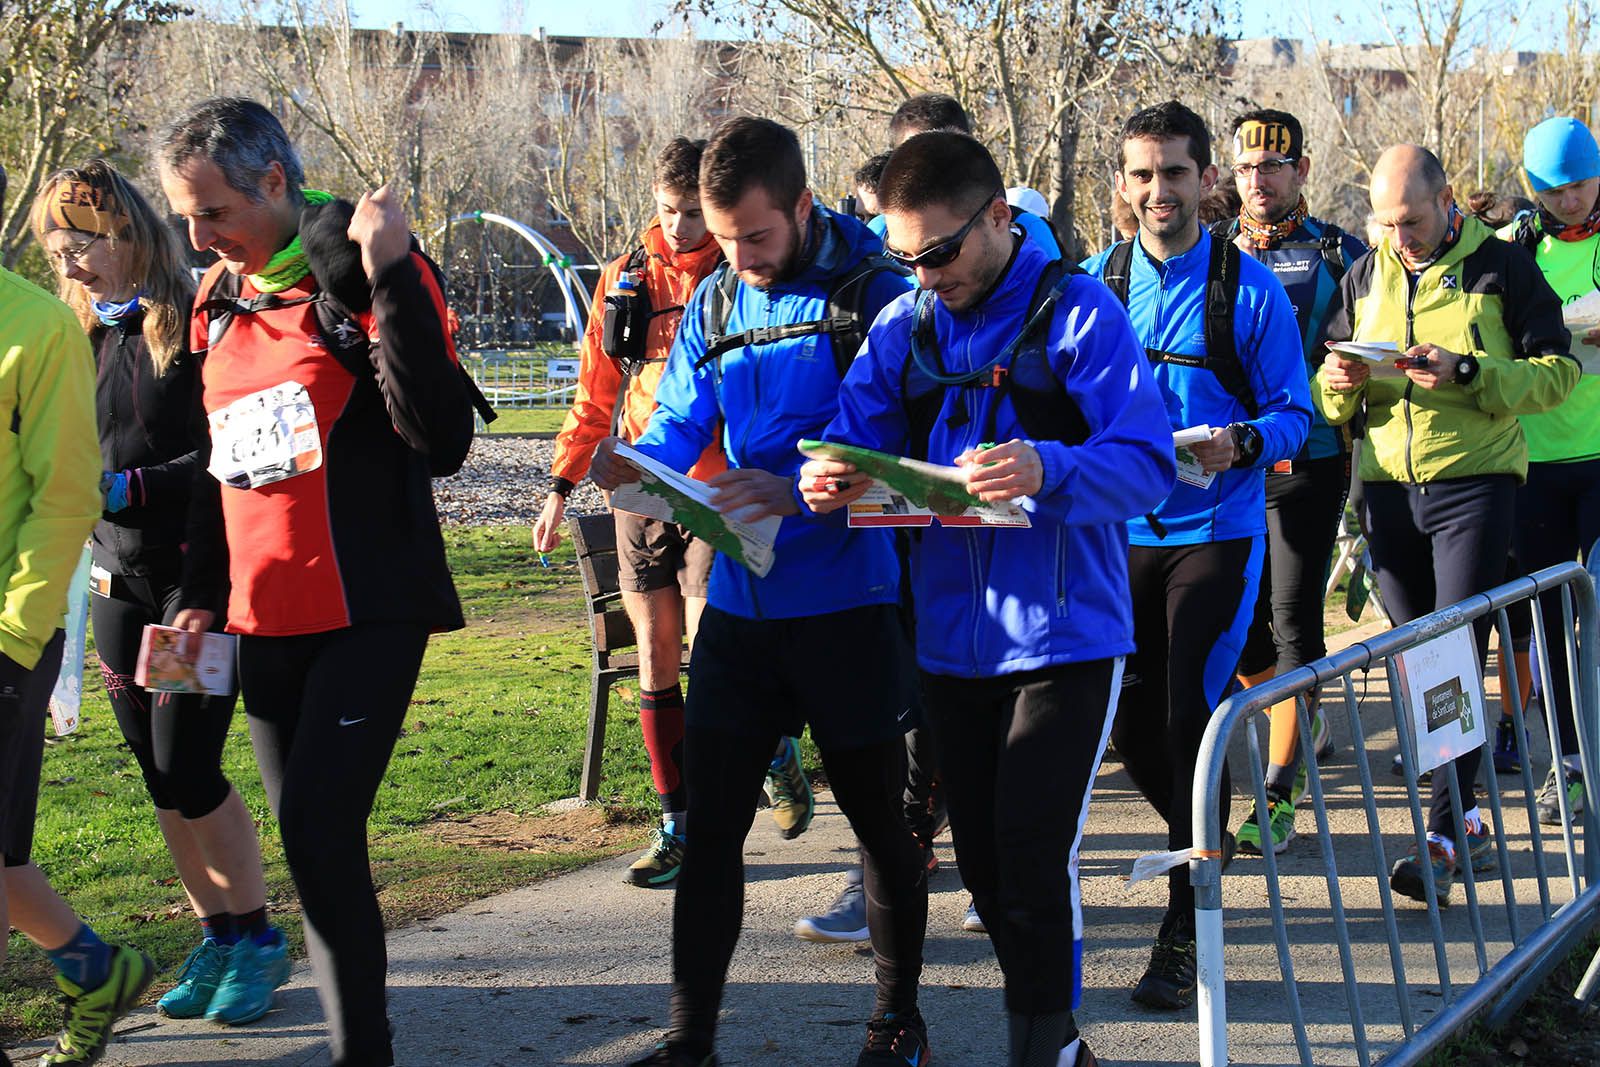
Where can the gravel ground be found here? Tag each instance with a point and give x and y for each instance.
(504, 482)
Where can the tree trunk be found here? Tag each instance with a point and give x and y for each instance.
(1064, 187)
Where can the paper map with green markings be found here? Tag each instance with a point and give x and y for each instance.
(663, 493)
(907, 485)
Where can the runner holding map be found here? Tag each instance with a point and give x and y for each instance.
(758, 360)
(1025, 375)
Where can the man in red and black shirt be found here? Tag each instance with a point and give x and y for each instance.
(316, 506)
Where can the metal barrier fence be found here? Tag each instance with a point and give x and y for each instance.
(526, 383)
(1534, 947)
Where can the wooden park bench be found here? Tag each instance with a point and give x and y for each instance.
(616, 647)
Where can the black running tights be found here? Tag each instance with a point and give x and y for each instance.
(325, 710)
(724, 772)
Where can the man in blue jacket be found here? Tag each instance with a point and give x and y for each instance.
(1021, 633)
(1194, 563)
(769, 654)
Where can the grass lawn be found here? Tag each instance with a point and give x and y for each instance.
(496, 725)
(528, 420)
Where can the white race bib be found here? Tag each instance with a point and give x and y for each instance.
(265, 437)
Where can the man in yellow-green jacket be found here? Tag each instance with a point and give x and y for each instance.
(49, 500)
(1482, 341)
(1558, 509)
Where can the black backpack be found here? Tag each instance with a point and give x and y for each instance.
(1330, 244)
(342, 335)
(1043, 405)
(1222, 291)
(846, 322)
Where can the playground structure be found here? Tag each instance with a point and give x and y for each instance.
(500, 283)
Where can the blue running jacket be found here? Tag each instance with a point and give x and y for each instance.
(993, 601)
(767, 399)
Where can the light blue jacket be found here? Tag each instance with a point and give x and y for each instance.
(1167, 304)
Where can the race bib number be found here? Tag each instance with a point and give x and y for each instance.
(265, 437)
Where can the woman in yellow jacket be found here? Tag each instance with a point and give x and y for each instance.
(1483, 342)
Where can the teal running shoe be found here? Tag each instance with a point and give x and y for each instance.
(197, 982)
(253, 974)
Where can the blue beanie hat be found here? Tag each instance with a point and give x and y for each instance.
(1559, 151)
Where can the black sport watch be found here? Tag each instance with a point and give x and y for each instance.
(1466, 369)
(1248, 440)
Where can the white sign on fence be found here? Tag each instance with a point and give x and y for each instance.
(561, 368)
(1443, 693)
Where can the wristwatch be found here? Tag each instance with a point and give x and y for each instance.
(1248, 440)
(1466, 369)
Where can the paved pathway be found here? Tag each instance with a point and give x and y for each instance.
(573, 970)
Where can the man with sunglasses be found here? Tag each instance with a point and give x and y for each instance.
(1026, 373)
(817, 640)
(1305, 494)
(1194, 562)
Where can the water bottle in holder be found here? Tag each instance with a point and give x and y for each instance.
(626, 322)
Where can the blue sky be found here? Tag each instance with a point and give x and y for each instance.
(635, 17)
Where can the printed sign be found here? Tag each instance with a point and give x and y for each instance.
(1443, 694)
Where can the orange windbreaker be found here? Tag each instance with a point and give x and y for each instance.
(671, 279)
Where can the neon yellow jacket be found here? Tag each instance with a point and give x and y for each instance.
(49, 462)
(1461, 304)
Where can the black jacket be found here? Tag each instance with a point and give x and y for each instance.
(151, 426)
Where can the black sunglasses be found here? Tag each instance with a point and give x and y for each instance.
(945, 252)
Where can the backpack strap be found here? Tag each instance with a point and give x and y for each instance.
(1043, 406)
(1528, 233)
(1332, 243)
(221, 302)
(1045, 409)
(1222, 292)
(847, 304)
(1222, 349)
(845, 322)
(1117, 270)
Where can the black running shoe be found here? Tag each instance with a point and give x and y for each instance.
(662, 1056)
(896, 1041)
(1168, 982)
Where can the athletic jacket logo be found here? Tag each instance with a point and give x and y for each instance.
(1448, 281)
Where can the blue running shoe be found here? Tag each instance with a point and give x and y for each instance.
(1507, 758)
(253, 974)
(846, 920)
(197, 982)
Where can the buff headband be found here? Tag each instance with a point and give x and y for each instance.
(1256, 136)
(76, 205)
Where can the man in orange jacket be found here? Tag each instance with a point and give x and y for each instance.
(662, 568)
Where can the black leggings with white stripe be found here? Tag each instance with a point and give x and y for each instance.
(1020, 753)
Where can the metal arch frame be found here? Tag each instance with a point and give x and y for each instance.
(574, 293)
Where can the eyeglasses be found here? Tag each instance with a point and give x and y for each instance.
(945, 252)
(75, 253)
(1266, 168)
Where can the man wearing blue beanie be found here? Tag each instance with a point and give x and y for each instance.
(1558, 509)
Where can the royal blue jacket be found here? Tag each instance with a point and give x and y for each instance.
(995, 601)
(1167, 303)
(765, 399)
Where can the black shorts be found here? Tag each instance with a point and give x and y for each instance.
(22, 754)
(652, 555)
(846, 673)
